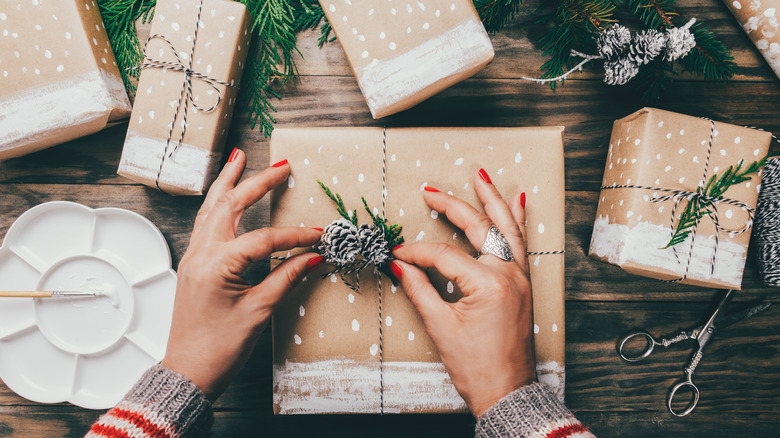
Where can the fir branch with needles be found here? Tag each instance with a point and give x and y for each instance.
(496, 13)
(392, 232)
(342, 210)
(308, 15)
(119, 17)
(698, 207)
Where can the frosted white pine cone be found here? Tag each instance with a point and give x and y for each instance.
(613, 42)
(339, 243)
(645, 46)
(373, 246)
(620, 71)
(679, 42)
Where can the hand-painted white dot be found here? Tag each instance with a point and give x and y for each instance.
(637, 141)
(450, 287)
(682, 132)
(737, 140)
(459, 161)
(729, 213)
(301, 310)
(388, 321)
(667, 168)
(355, 325)
(401, 212)
(420, 236)
(540, 228)
(361, 178)
(297, 339)
(669, 135)
(335, 179)
(322, 334)
(411, 336)
(518, 157)
(364, 54)
(291, 182)
(332, 8)
(333, 278)
(536, 329)
(351, 298)
(629, 213)
(555, 327)
(434, 214)
(723, 152)
(392, 46)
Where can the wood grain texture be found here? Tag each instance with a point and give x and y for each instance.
(739, 376)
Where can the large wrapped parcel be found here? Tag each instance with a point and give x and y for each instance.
(186, 94)
(403, 53)
(58, 76)
(759, 19)
(326, 336)
(659, 163)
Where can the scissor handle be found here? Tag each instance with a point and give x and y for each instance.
(651, 343)
(688, 383)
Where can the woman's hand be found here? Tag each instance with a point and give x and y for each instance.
(217, 317)
(486, 338)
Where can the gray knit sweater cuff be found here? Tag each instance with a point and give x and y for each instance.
(174, 398)
(530, 411)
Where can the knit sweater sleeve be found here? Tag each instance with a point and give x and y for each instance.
(162, 404)
(532, 411)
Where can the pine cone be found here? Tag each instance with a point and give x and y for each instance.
(679, 42)
(339, 243)
(646, 46)
(620, 71)
(613, 42)
(373, 246)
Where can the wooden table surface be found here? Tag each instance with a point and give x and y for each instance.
(739, 377)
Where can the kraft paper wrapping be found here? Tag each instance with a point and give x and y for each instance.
(219, 53)
(58, 76)
(404, 53)
(666, 150)
(759, 20)
(326, 336)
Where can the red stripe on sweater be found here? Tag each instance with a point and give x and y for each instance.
(108, 431)
(139, 420)
(563, 432)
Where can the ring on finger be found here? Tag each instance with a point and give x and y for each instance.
(496, 244)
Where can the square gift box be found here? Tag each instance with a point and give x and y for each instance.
(326, 336)
(58, 77)
(180, 121)
(403, 53)
(657, 163)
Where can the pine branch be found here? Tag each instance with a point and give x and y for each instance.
(392, 233)
(119, 17)
(342, 210)
(653, 80)
(496, 13)
(308, 15)
(698, 207)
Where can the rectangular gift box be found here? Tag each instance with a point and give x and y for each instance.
(155, 152)
(58, 77)
(404, 53)
(664, 157)
(759, 21)
(326, 336)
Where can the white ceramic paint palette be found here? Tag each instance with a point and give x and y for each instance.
(87, 351)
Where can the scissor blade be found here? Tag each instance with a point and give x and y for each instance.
(731, 318)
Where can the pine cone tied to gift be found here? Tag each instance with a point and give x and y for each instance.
(373, 246)
(340, 242)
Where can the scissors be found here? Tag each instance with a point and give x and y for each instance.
(702, 335)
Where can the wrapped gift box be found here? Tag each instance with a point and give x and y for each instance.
(657, 153)
(58, 77)
(404, 53)
(326, 336)
(759, 20)
(156, 151)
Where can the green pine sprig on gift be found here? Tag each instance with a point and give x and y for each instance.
(119, 17)
(698, 207)
(350, 215)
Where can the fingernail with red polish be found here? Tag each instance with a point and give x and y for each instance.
(233, 155)
(430, 189)
(396, 270)
(318, 228)
(396, 248)
(484, 176)
(522, 199)
(280, 164)
(315, 263)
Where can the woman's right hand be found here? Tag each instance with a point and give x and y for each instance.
(486, 338)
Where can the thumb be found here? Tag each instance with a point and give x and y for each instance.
(421, 292)
(286, 276)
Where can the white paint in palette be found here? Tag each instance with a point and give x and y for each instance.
(36, 115)
(190, 168)
(395, 79)
(640, 243)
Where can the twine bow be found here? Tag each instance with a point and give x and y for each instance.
(696, 200)
(186, 98)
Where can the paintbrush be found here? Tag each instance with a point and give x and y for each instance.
(110, 293)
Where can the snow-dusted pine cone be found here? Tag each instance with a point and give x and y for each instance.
(339, 243)
(613, 42)
(373, 246)
(620, 71)
(679, 42)
(645, 46)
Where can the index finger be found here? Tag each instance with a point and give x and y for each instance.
(222, 221)
(452, 263)
(227, 179)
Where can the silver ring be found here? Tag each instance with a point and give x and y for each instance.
(496, 244)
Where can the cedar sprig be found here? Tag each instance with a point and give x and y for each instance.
(698, 207)
(496, 13)
(119, 17)
(342, 210)
(308, 15)
(392, 232)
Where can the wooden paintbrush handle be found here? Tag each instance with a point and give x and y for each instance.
(25, 293)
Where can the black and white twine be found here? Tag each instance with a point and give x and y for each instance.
(767, 232)
(186, 97)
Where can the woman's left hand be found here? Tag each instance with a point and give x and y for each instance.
(217, 316)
